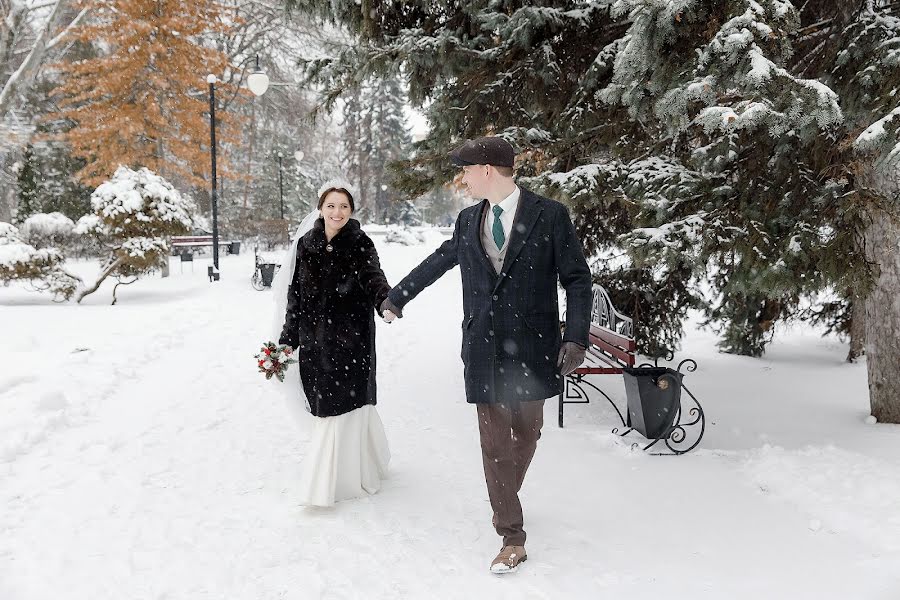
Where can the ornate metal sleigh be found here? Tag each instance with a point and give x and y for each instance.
(655, 405)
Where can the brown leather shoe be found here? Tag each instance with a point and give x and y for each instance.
(509, 559)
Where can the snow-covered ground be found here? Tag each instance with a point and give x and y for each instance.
(143, 457)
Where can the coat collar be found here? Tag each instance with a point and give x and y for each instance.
(314, 240)
(475, 234)
(527, 214)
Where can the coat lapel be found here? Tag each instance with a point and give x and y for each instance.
(475, 233)
(526, 217)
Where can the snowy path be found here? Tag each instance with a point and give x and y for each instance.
(157, 464)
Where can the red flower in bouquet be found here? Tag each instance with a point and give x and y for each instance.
(273, 360)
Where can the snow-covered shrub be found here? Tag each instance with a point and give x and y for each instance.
(403, 235)
(41, 268)
(46, 230)
(134, 215)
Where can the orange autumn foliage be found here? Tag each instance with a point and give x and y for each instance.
(145, 102)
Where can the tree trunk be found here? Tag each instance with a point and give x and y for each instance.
(112, 266)
(857, 328)
(19, 82)
(882, 246)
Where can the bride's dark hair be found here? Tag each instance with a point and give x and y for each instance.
(337, 189)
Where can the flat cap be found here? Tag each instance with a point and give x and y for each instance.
(484, 151)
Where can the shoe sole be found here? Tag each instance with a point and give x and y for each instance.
(504, 570)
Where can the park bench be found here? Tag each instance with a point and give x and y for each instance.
(653, 393)
(182, 244)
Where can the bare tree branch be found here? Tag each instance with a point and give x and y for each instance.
(22, 79)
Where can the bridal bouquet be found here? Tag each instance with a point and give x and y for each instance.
(274, 359)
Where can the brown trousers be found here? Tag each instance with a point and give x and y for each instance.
(509, 436)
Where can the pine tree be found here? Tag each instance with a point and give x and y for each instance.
(41, 268)
(134, 215)
(406, 213)
(750, 142)
(390, 140)
(355, 147)
(375, 136)
(144, 101)
(28, 195)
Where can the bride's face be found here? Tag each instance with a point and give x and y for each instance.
(336, 210)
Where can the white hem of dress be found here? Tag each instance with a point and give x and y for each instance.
(348, 457)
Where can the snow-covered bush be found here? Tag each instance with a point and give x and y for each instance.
(46, 230)
(403, 235)
(42, 269)
(134, 214)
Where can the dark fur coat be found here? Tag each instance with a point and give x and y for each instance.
(330, 321)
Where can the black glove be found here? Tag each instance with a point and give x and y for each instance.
(388, 305)
(571, 355)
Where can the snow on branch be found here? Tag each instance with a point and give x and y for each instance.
(42, 268)
(876, 136)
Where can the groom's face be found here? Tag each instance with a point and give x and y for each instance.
(475, 178)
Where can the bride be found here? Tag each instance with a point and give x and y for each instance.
(325, 295)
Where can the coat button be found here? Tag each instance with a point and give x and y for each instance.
(496, 297)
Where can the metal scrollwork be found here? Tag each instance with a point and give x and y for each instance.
(688, 425)
(576, 394)
(691, 365)
(604, 314)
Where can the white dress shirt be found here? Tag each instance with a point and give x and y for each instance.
(509, 206)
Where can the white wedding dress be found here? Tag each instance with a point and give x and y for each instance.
(348, 454)
(348, 457)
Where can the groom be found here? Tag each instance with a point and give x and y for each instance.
(511, 248)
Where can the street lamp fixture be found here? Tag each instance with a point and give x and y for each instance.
(258, 81)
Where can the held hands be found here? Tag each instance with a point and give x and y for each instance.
(571, 355)
(389, 311)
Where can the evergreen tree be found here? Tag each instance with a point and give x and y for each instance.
(41, 268)
(134, 215)
(406, 213)
(750, 142)
(28, 196)
(390, 140)
(60, 189)
(356, 145)
(144, 100)
(375, 136)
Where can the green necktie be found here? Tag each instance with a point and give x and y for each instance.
(497, 229)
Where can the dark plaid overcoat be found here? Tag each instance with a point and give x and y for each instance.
(510, 326)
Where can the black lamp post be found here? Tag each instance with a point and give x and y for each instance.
(280, 186)
(211, 80)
